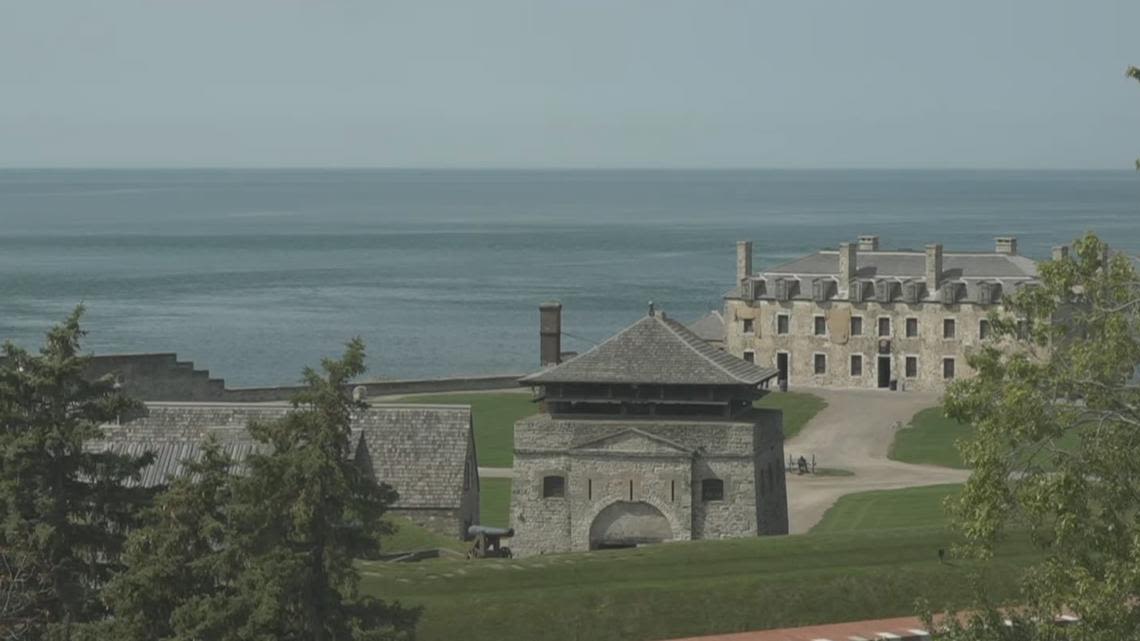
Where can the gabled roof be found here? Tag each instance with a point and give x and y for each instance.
(654, 351)
(645, 442)
(420, 450)
(709, 327)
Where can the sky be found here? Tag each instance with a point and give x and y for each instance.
(1033, 84)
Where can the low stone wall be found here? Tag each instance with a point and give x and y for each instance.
(383, 388)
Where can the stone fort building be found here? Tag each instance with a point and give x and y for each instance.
(425, 452)
(648, 437)
(865, 317)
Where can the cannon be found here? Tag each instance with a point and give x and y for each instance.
(488, 542)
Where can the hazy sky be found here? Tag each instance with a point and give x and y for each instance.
(527, 83)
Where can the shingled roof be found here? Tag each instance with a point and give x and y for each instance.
(655, 350)
(709, 327)
(419, 450)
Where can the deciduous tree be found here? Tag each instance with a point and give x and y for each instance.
(1057, 448)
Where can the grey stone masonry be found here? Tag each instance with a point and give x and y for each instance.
(632, 481)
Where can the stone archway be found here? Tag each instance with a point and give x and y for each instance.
(629, 523)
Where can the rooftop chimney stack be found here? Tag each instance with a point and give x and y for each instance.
(550, 332)
(1060, 252)
(743, 260)
(933, 267)
(868, 243)
(1006, 245)
(847, 267)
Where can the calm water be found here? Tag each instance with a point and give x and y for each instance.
(254, 274)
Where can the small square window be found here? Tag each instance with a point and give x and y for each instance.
(712, 490)
(856, 364)
(949, 328)
(748, 325)
(884, 326)
(912, 367)
(820, 363)
(856, 325)
(750, 356)
(820, 326)
(983, 329)
(553, 487)
(782, 322)
(947, 368)
(911, 327)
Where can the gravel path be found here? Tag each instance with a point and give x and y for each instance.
(854, 432)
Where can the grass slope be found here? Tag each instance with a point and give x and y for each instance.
(691, 588)
(494, 415)
(930, 439)
(409, 537)
(885, 509)
(495, 502)
(798, 407)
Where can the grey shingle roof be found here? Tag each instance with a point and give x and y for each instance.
(654, 350)
(709, 327)
(419, 450)
(905, 264)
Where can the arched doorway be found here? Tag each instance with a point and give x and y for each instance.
(628, 523)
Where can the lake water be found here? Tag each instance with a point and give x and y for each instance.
(254, 274)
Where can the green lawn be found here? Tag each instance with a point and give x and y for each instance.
(930, 439)
(494, 415)
(495, 502)
(798, 407)
(692, 588)
(409, 536)
(912, 507)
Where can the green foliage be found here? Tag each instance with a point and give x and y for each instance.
(798, 408)
(931, 439)
(1056, 414)
(63, 506)
(268, 554)
(690, 588)
(494, 415)
(911, 507)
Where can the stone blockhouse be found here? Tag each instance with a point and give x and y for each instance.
(648, 437)
(863, 317)
(426, 452)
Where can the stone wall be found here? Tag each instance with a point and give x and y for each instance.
(837, 345)
(645, 467)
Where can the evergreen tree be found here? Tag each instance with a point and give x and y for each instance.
(303, 512)
(64, 508)
(176, 561)
(1056, 406)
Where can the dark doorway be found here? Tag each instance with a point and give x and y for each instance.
(884, 371)
(782, 366)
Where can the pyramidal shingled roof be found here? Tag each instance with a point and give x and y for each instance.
(658, 351)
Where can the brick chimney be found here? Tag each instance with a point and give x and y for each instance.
(933, 267)
(1060, 252)
(743, 260)
(1005, 245)
(550, 332)
(847, 267)
(868, 243)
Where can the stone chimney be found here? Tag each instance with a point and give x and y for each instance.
(868, 243)
(1005, 245)
(1060, 252)
(933, 267)
(743, 260)
(550, 332)
(847, 267)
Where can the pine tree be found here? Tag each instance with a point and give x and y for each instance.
(303, 512)
(64, 508)
(177, 563)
